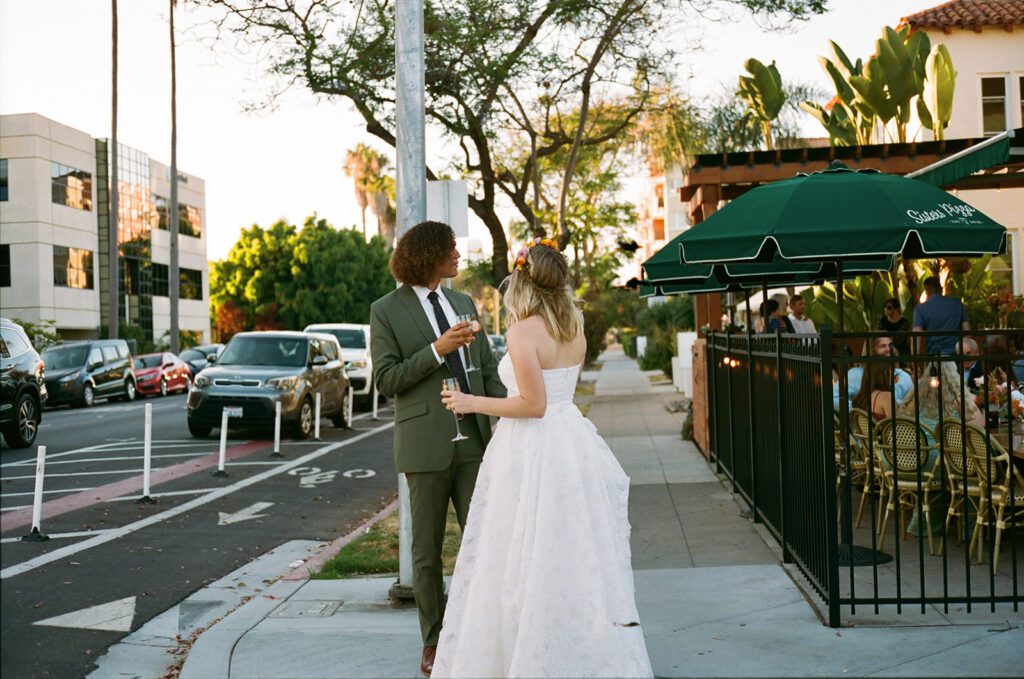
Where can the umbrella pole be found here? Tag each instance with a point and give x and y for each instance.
(764, 307)
(841, 321)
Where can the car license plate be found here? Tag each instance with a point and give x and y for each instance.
(234, 411)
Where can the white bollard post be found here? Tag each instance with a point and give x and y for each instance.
(277, 430)
(223, 443)
(147, 457)
(374, 400)
(351, 400)
(316, 418)
(37, 535)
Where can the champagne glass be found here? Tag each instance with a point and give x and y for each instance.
(452, 384)
(468, 318)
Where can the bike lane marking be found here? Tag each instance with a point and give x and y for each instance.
(116, 533)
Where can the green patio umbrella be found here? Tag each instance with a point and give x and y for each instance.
(841, 214)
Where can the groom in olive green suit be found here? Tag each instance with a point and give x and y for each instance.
(416, 342)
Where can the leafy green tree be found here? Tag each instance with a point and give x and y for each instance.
(41, 333)
(284, 277)
(493, 69)
(764, 95)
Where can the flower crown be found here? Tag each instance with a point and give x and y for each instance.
(525, 250)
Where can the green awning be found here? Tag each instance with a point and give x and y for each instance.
(989, 153)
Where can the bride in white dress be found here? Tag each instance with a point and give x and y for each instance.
(543, 585)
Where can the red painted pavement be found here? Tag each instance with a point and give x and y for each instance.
(69, 503)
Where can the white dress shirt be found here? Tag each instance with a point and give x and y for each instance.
(804, 325)
(449, 313)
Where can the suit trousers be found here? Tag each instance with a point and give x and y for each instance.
(429, 496)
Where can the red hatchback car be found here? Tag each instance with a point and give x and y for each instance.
(161, 374)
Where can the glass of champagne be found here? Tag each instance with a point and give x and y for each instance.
(452, 384)
(475, 324)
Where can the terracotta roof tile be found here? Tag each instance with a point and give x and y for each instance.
(969, 14)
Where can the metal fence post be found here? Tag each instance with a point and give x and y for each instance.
(828, 477)
(786, 557)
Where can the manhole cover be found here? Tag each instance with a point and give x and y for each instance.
(306, 609)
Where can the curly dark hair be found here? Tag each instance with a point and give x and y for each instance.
(420, 251)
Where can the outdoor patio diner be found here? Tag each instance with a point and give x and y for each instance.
(887, 463)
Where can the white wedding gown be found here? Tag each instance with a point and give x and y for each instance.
(543, 585)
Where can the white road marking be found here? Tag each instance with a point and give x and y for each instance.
(359, 473)
(11, 509)
(127, 498)
(119, 459)
(115, 616)
(96, 473)
(46, 492)
(254, 463)
(250, 512)
(57, 536)
(128, 529)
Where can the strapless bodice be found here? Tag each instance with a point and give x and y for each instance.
(559, 383)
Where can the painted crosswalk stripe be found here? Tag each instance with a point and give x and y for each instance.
(115, 616)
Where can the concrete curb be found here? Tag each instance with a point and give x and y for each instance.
(331, 549)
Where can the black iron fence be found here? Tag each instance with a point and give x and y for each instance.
(889, 498)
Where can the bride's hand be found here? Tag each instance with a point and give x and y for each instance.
(458, 402)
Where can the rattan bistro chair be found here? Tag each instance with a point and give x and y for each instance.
(964, 485)
(904, 446)
(870, 479)
(996, 474)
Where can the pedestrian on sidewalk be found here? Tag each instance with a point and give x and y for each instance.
(416, 343)
(543, 585)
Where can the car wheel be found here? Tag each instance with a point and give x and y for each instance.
(163, 387)
(340, 419)
(88, 395)
(129, 390)
(22, 432)
(304, 424)
(197, 430)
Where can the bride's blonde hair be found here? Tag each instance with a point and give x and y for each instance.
(540, 286)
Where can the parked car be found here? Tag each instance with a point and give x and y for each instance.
(161, 373)
(355, 350)
(196, 357)
(22, 386)
(81, 372)
(257, 370)
(498, 346)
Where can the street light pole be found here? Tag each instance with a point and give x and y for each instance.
(411, 193)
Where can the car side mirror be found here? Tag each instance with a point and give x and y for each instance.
(320, 361)
(211, 358)
(93, 365)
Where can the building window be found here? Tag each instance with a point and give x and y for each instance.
(72, 268)
(5, 266)
(190, 221)
(71, 187)
(993, 105)
(3, 179)
(659, 228)
(191, 286)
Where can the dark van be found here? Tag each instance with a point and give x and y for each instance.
(81, 372)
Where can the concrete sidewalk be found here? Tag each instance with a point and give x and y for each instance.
(714, 600)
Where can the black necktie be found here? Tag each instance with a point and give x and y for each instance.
(452, 358)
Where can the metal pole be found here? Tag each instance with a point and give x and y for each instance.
(173, 274)
(351, 405)
(277, 430)
(147, 456)
(113, 259)
(223, 443)
(376, 397)
(410, 189)
(316, 418)
(37, 535)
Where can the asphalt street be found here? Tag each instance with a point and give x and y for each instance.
(106, 548)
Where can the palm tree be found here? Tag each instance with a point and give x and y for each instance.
(113, 261)
(373, 188)
(172, 217)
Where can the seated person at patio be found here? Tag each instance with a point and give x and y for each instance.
(894, 321)
(939, 312)
(902, 385)
(801, 323)
(771, 317)
(875, 395)
(972, 369)
(925, 408)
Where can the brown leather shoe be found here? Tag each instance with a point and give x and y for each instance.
(427, 664)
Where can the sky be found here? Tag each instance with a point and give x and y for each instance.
(288, 163)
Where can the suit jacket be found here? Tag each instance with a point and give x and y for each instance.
(404, 367)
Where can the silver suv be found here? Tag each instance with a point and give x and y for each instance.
(258, 369)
